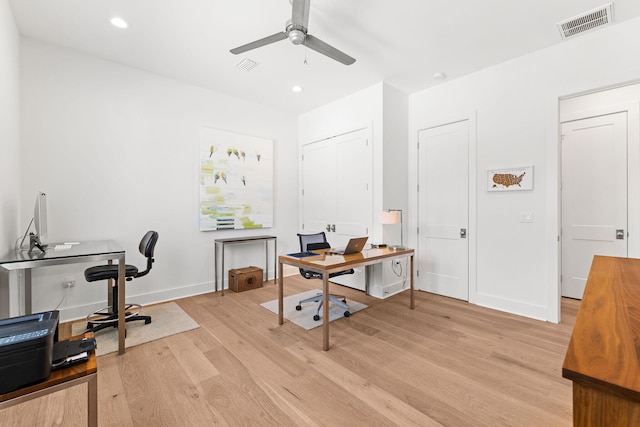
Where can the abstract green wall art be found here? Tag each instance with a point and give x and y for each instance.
(236, 181)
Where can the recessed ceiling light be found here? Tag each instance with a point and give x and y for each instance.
(116, 21)
(297, 88)
(439, 76)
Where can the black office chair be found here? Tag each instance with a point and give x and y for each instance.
(108, 317)
(310, 242)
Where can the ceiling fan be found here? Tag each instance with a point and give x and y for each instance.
(296, 32)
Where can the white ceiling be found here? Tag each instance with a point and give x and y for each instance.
(401, 42)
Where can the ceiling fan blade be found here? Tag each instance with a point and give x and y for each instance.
(259, 43)
(319, 46)
(300, 13)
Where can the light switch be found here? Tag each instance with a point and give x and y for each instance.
(526, 216)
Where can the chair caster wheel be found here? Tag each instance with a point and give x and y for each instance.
(347, 314)
(316, 317)
(147, 321)
(344, 301)
(298, 307)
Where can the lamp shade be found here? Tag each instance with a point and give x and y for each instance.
(389, 217)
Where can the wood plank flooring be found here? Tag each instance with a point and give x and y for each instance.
(446, 363)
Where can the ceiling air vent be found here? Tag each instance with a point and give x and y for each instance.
(246, 64)
(587, 21)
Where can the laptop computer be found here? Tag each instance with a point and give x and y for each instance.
(354, 246)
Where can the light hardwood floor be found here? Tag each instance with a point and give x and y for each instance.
(445, 363)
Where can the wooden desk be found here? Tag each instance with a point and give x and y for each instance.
(327, 264)
(60, 380)
(240, 241)
(92, 251)
(603, 359)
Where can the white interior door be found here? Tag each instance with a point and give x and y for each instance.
(353, 192)
(594, 195)
(443, 210)
(319, 183)
(337, 192)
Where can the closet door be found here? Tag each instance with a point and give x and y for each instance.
(353, 195)
(337, 192)
(336, 187)
(319, 186)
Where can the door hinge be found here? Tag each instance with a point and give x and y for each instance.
(417, 230)
(303, 191)
(417, 273)
(562, 137)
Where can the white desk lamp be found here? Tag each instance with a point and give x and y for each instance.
(393, 216)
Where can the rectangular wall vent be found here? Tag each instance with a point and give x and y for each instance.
(246, 64)
(587, 21)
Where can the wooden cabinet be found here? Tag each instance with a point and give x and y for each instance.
(603, 359)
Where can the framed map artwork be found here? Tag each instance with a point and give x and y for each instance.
(512, 179)
(236, 181)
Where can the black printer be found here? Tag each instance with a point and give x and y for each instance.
(26, 349)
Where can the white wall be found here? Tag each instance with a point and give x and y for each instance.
(9, 140)
(517, 125)
(116, 151)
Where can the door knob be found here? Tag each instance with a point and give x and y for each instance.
(333, 228)
(463, 233)
(328, 227)
(620, 234)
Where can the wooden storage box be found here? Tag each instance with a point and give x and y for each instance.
(244, 279)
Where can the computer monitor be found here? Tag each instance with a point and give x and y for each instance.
(40, 217)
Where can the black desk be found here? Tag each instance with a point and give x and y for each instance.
(101, 250)
(244, 240)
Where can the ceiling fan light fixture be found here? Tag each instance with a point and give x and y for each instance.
(296, 37)
(297, 89)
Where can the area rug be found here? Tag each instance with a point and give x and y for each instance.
(166, 319)
(304, 317)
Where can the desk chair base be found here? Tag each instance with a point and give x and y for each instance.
(107, 317)
(336, 299)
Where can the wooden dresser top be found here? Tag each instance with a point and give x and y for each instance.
(605, 344)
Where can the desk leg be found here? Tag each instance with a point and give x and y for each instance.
(28, 309)
(120, 302)
(215, 266)
(266, 260)
(275, 261)
(92, 401)
(280, 296)
(325, 311)
(222, 271)
(412, 303)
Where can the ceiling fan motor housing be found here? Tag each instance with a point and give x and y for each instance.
(296, 37)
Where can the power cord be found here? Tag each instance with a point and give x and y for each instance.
(66, 291)
(398, 270)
